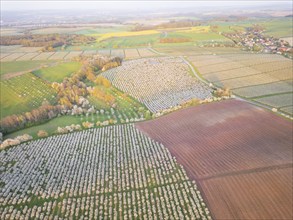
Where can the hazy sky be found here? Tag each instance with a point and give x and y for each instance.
(83, 5)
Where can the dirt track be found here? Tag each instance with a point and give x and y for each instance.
(236, 142)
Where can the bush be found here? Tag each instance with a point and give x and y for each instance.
(222, 92)
(42, 133)
(87, 124)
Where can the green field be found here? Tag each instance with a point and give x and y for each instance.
(153, 40)
(127, 108)
(198, 36)
(24, 93)
(102, 30)
(119, 42)
(123, 38)
(20, 66)
(50, 126)
(59, 72)
(281, 27)
(92, 46)
(128, 42)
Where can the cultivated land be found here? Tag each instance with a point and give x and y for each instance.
(192, 50)
(112, 172)
(24, 93)
(59, 72)
(59, 55)
(230, 144)
(127, 110)
(234, 159)
(21, 66)
(264, 78)
(159, 83)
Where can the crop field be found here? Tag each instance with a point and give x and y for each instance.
(24, 93)
(20, 66)
(107, 28)
(73, 54)
(104, 36)
(250, 59)
(259, 194)
(129, 41)
(59, 72)
(67, 55)
(9, 49)
(117, 53)
(28, 49)
(220, 144)
(199, 38)
(59, 30)
(131, 54)
(191, 50)
(43, 56)
(2, 55)
(265, 89)
(281, 27)
(249, 75)
(200, 35)
(182, 50)
(144, 52)
(18, 49)
(82, 47)
(206, 60)
(10, 31)
(58, 56)
(12, 57)
(159, 83)
(250, 80)
(27, 56)
(84, 30)
(278, 101)
(112, 172)
(105, 52)
(89, 52)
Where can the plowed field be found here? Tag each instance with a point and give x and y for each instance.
(241, 156)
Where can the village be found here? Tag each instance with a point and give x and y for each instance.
(254, 39)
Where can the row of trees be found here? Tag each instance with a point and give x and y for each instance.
(15, 122)
(71, 89)
(48, 41)
(170, 24)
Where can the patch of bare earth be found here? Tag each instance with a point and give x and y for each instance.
(240, 155)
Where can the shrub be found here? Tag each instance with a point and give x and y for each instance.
(222, 92)
(87, 124)
(42, 133)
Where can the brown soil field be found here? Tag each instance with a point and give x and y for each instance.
(223, 137)
(257, 195)
(227, 147)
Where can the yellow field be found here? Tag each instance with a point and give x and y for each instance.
(197, 29)
(124, 34)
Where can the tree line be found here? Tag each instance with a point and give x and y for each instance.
(170, 24)
(48, 41)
